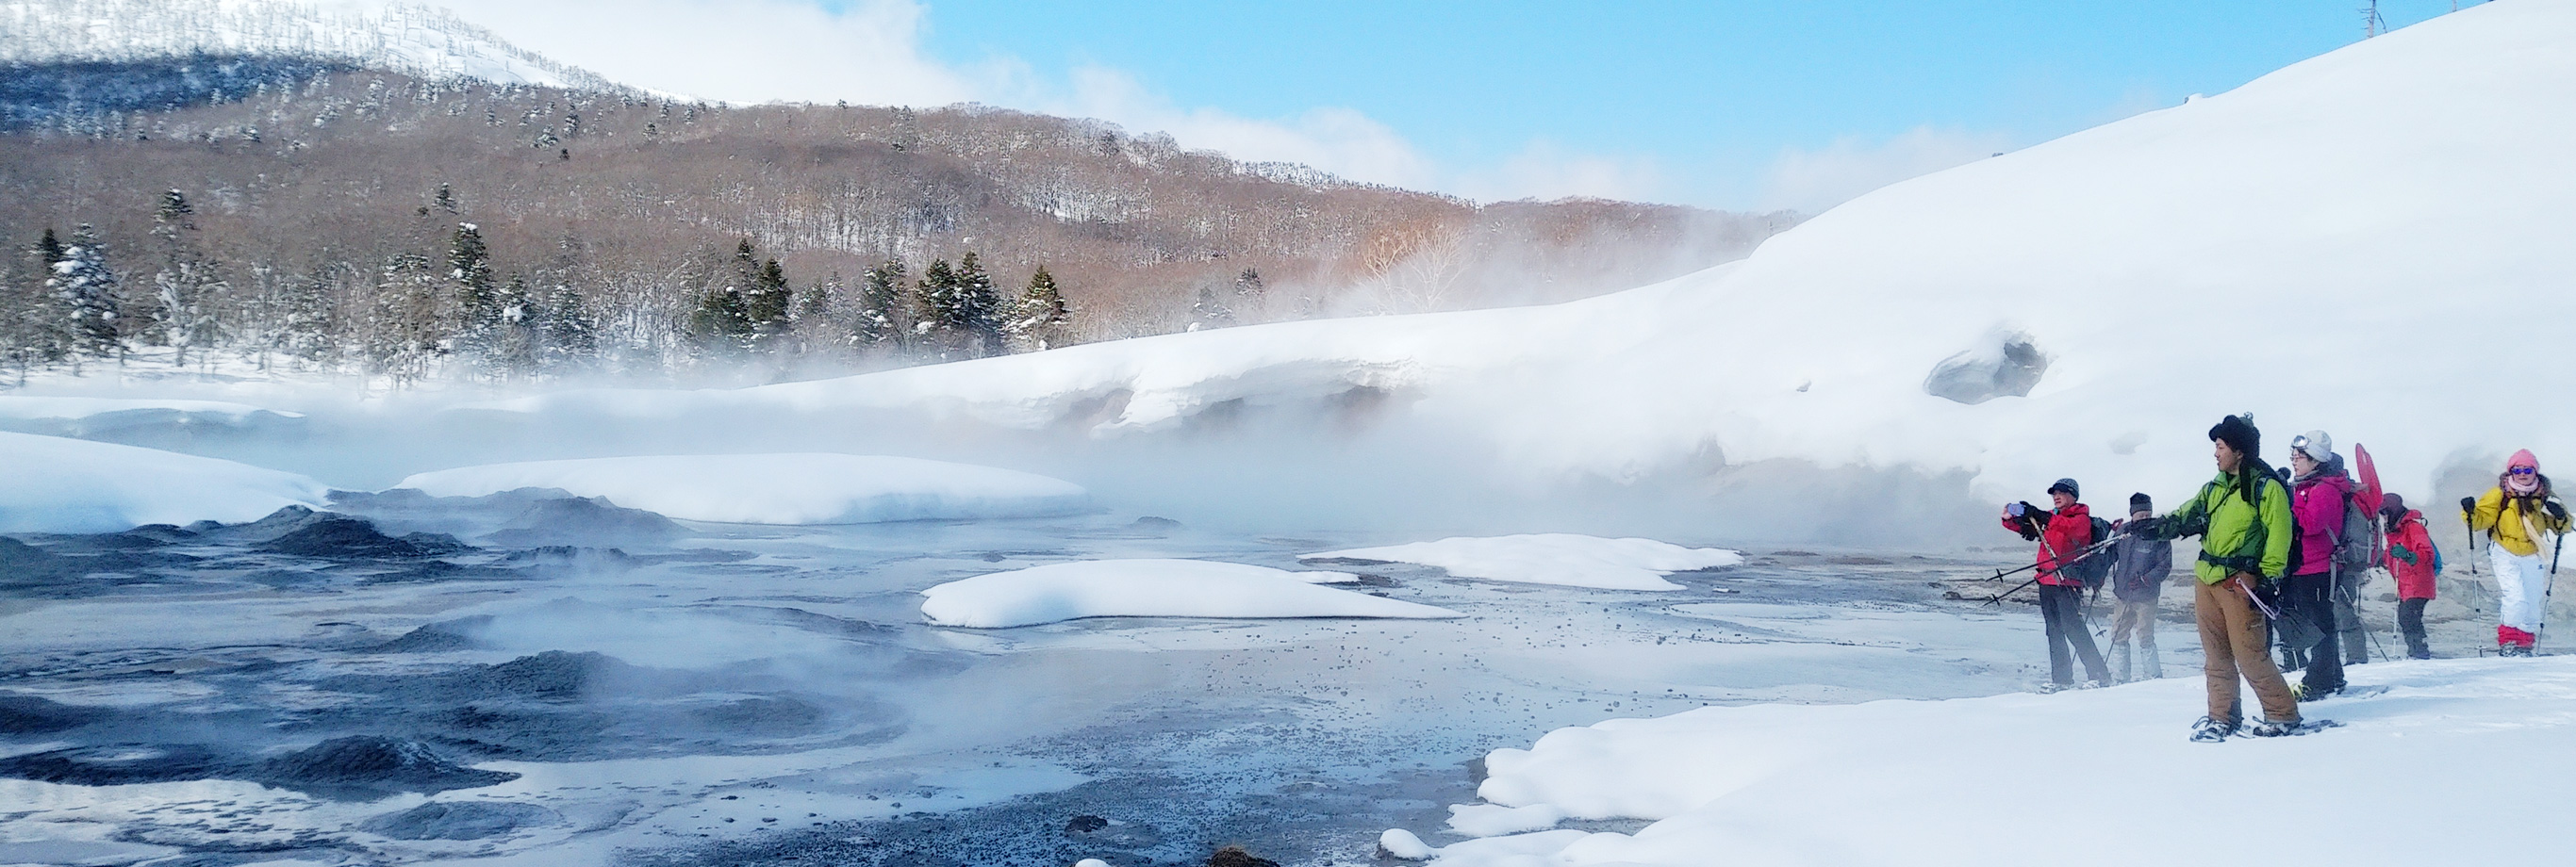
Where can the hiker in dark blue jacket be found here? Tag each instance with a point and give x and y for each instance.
(2138, 575)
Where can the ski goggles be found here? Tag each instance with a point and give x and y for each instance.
(2523, 471)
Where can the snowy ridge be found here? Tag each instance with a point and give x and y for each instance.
(1153, 588)
(60, 485)
(2402, 197)
(1950, 782)
(778, 488)
(414, 40)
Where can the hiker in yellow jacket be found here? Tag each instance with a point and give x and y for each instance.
(2520, 516)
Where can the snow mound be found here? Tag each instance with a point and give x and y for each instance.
(1551, 558)
(31, 407)
(1153, 588)
(1923, 782)
(811, 488)
(59, 485)
(2069, 309)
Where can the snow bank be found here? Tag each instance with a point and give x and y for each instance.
(778, 488)
(59, 485)
(32, 407)
(2403, 197)
(1153, 588)
(1957, 782)
(1551, 558)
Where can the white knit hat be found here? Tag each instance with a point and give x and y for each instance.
(2316, 444)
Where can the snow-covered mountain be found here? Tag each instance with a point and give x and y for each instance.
(415, 40)
(2372, 242)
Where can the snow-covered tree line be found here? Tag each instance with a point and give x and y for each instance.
(445, 307)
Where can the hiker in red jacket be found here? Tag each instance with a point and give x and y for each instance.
(2412, 560)
(2062, 534)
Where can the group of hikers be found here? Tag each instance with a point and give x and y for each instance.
(2282, 558)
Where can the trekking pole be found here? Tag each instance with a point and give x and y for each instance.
(2080, 554)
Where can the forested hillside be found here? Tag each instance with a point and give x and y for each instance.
(325, 217)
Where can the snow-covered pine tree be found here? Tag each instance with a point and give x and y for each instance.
(817, 326)
(1040, 320)
(885, 313)
(1209, 311)
(1251, 297)
(186, 291)
(508, 345)
(567, 333)
(721, 324)
(406, 329)
(768, 305)
(91, 294)
(934, 321)
(31, 320)
(978, 309)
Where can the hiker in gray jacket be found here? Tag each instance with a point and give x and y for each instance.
(2138, 573)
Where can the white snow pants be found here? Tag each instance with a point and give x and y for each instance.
(2525, 582)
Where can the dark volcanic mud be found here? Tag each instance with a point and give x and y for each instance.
(460, 820)
(370, 766)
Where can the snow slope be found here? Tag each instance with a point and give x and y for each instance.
(1954, 782)
(1153, 588)
(1551, 558)
(2336, 245)
(31, 407)
(416, 40)
(58, 485)
(778, 488)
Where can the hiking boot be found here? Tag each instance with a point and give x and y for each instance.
(2090, 684)
(2512, 650)
(2267, 728)
(2212, 730)
(2048, 688)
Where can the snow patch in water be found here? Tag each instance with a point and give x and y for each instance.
(1153, 588)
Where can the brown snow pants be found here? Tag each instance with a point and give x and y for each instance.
(2234, 640)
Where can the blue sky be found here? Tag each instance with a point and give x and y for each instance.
(1723, 104)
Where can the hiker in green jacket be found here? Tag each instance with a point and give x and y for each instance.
(2243, 520)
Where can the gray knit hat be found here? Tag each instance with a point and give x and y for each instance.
(2067, 485)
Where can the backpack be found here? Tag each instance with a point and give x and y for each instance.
(2357, 547)
(2093, 569)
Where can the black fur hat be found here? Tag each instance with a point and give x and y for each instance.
(2239, 433)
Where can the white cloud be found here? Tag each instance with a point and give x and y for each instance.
(1811, 181)
(1544, 170)
(1337, 140)
(752, 51)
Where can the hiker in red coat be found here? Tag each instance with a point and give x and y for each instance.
(2411, 558)
(2062, 534)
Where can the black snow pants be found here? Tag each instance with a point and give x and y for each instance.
(2062, 606)
(2308, 619)
(2410, 620)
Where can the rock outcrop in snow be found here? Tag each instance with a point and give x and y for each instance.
(778, 488)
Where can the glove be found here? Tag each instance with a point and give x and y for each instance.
(2556, 511)
(2402, 554)
(2468, 504)
(2016, 509)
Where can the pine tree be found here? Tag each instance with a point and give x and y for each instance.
(186, 291)
(32, 319)
(1251, 296)
(768, 305)
(815, 326)
(507, 347)
(1209, 311)
(406, 331)
(884, 311)
(91, 293)
(721, 324)
(1040, 320)
(934, 323)
(977, 312)
(567, 332)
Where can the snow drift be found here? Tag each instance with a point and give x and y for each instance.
(778, 489)
(1551, 558)
(2351, 243)
(1153, 588)
(1953, 782)
(58, 485)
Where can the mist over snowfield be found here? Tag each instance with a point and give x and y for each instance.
(2337, 245)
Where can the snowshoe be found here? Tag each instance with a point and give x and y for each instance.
(2048, 688)
(2304, 692)
(2090, 684)
(2209, 730)
(2264, 728)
